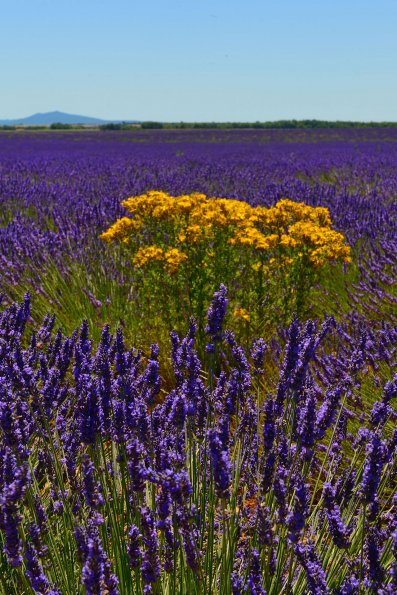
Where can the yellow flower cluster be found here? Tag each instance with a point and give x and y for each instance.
(276, 223)
(324, 244)
(290, 227)
(121, 230)
(148, 254)
(192, 234)
(172, 257)
(286, 212)
(251, 236)
(189, 211)
(242, 314)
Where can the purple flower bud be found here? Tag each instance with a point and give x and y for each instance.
(150, 566)
(134, 552)
(35, 574)
(375, 455)
(327, 412)
(255, 576)
(350, 586)
(151, 381)
(92, 489)
(269, 429)
(258, 355)
(215, 317)
(264, 525)
(221, 464)
(297, 518)
(373, 553)
(14, 480)
(339, 533)
(135, 465)
(96, 575)
(315, 575)
(280, 492)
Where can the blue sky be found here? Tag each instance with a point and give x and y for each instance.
(200, 60)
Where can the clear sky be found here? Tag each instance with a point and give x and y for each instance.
(200, 60)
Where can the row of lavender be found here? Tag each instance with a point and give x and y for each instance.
(110, 484)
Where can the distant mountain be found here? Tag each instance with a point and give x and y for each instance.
(56, 117)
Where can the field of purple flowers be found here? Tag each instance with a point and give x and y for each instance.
(133, 463)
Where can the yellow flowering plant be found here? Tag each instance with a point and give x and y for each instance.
(182, 247)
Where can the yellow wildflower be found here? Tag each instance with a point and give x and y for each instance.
(193, 234)
(287, 241)
(148, 254)
(174, 258)
(120, 230)
(242, 314)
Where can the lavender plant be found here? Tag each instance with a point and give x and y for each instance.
(111, 484)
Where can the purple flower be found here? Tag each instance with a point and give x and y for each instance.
(327, 412)
(264, 525)
(133, 549)
(350, 586)
(215, 317)
(136, 468)
(255, 585)
(36, 535)
(258, 355)
(280, 492)
(190, 539)
(179, 409)
(35, 574)
(220, 463)
(236, 583)
(229, 389)
(14, 480)
(315, 575)
(306, 423)
(150, 566)
(97, 304)
(171, 545)
(390, 390)
(241, 362)
(96, 573)
(92, 489)
(41, 515)
(236, 580)
(339, 533)
(151, 381)
(80, 536)
(88, 413)
(381, 410)
(373, 551)
(297, 518)
(375, 454)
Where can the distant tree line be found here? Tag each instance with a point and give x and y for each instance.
(153, 125)
(61, 126)
(54, 126)
(279, 124)
(128, 126)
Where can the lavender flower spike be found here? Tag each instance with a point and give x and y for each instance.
(215, 316)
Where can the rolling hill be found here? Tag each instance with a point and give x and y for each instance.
(55, 117)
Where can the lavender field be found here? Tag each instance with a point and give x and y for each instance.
(220, 456)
